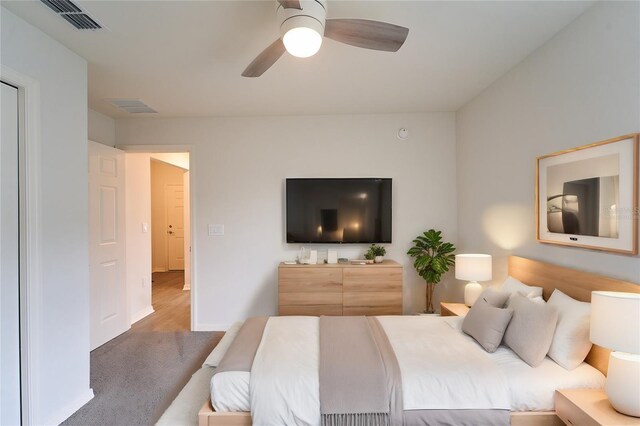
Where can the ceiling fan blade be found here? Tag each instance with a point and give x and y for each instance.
(374, 35)
(290, 4)
(265, 59)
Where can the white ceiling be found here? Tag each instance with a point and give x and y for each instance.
(184, 58)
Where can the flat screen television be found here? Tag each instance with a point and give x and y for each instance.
(349, 210)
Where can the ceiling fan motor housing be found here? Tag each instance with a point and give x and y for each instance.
(312, 15)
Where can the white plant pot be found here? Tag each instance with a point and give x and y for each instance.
(378, 259)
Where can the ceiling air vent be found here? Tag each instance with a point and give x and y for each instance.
(132, 106)
(72, 13)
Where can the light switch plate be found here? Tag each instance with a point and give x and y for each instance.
(216, 230)
(145, 227)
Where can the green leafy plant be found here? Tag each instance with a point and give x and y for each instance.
(376, 250)
(368, 255)
(433, 257)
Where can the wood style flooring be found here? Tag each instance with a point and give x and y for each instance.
(171, 303)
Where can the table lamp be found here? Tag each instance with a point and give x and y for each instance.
(615, 324)
(473, 268)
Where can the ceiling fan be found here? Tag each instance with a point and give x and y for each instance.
(303, 24)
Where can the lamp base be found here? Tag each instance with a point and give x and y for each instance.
(622, 386)
(471, 292)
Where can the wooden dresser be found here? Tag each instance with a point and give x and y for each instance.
(340, 289)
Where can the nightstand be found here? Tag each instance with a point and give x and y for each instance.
(589, 407)
(448, 309)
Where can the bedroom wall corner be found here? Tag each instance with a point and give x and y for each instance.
(101, 128)
(61, 382)
(580, 87)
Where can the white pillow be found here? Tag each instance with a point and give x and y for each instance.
(221, 348)
(571, 343)
(511, 285)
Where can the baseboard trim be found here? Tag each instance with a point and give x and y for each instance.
(212, 327)
(141, 314)
(187, 286)
(158, 270)
(71, 408)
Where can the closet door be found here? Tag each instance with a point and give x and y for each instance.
(9, 260)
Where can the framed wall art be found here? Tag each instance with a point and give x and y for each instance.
(588, 196)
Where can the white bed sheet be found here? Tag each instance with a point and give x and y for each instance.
(530, 389)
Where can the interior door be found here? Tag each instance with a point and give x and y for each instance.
(175, 226)
(109, 314)
(9, 260)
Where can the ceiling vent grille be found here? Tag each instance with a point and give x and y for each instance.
(132, 106)
(72, 13)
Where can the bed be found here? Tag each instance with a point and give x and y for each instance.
(523, 394)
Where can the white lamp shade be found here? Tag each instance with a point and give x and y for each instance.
(615, 321)
(473, 267)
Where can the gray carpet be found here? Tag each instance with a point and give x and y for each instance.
(136, 375)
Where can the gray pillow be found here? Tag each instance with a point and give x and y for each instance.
(495, 298)
(486, 324)
(531, 329)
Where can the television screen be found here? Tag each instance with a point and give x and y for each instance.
(354, 210)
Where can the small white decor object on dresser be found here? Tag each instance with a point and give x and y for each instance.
(473, 268)
(615, 325)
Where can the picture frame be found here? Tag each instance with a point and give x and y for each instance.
(587, 196)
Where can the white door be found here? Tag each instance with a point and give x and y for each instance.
(9, 261)
(187, 233)
(109, 314)
(175, 226)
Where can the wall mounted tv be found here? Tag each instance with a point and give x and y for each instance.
(356, 210)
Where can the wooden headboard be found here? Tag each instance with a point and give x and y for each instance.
(574, 283)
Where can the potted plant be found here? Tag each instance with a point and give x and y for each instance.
(376, 253)
(369, 257)
(433, 257)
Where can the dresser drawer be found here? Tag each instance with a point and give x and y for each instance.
(310, 279)
(311, 310)
(372, 303)
(308, 298)
(372, 278)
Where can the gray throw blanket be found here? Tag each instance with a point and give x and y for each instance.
(360, 381)
(240, 355)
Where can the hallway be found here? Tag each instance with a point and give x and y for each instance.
(171, 303)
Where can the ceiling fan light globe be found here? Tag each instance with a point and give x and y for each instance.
(302, 42)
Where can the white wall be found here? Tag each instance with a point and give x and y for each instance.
(101, 129)
(238, 170)
(138, 212)
(62, 359)
(581, 87)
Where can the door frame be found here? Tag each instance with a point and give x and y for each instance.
(30, 237)
(152, 149)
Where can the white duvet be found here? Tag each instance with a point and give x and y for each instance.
(441, 367)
